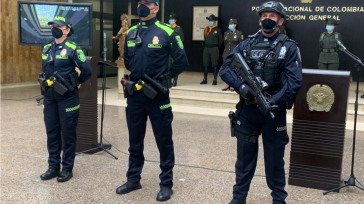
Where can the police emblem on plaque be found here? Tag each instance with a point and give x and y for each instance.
(320, 98)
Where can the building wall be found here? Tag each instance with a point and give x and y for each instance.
(18, 63)
(305, 31)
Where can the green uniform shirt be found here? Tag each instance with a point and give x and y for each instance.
(231, 40)
(214, 37)
(329, 48)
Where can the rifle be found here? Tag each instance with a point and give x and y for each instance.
(243, 71)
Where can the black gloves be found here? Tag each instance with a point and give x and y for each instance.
(246, 92)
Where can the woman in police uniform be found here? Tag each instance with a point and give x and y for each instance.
(232, 38)
(329, 57)
(61, 101)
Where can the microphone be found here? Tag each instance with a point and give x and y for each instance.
(341, 45)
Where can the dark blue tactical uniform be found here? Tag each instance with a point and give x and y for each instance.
(151, 57)
(285, 82)
(61, 111)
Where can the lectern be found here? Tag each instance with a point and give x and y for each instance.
(318, 134)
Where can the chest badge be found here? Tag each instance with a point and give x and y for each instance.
(63, 52)
(282, 54)
(320, 98)
(235, 36)
(155, 40)
(155, 43)
(215, 32)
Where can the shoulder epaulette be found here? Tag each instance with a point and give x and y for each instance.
(292, 41)
(71, 45)
(165, 27)
(132, 28)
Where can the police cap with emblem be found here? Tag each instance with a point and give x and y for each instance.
(173, 15)
(331, 20)
(62, 21)
(150, 1)
(272, 6)
(212, 17)
(233, 21)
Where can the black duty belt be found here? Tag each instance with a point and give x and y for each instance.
(329, 50)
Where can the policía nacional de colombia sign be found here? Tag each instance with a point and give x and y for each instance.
(305, 11)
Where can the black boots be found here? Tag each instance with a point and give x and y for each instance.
(236, 201)
(204, 81)
(65, 176)
(49, 174)
(128, 187)
(164, 194)
(214, 82)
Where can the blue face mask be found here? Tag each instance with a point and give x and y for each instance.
(329, 28)
(231, 27)
(211, 23)
(171, 22)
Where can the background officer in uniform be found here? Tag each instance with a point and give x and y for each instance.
(329, 57)
(173, 22)
(61, 111)
(281, 68)
(147, 49)
(232, 38)
(213, 40)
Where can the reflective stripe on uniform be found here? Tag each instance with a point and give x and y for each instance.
(168, 30)
(132, 28)
(165, 106)
(70, 45)
(73, 108)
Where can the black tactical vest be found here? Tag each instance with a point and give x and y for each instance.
(263, 58)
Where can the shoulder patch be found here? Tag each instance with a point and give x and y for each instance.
(179, 42)
(81, 56)
(165, 27)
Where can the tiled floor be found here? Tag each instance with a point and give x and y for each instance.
(204, 171)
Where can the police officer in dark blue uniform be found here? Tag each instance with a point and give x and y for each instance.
(147, 48)
(59, 83)
(276, 59)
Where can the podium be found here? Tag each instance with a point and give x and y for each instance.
(318, 134)
(88, 119)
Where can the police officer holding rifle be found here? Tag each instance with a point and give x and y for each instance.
(266, 70)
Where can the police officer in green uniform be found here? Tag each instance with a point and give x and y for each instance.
(59, 82)
(329, 57)
(146, 53)
(213, 40)
(173, 22)
(232, 38)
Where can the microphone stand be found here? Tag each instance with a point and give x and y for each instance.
(352, 179)
(101, 146)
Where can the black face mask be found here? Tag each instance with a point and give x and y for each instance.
(269, 26)
(143, 11)
(57, 33)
